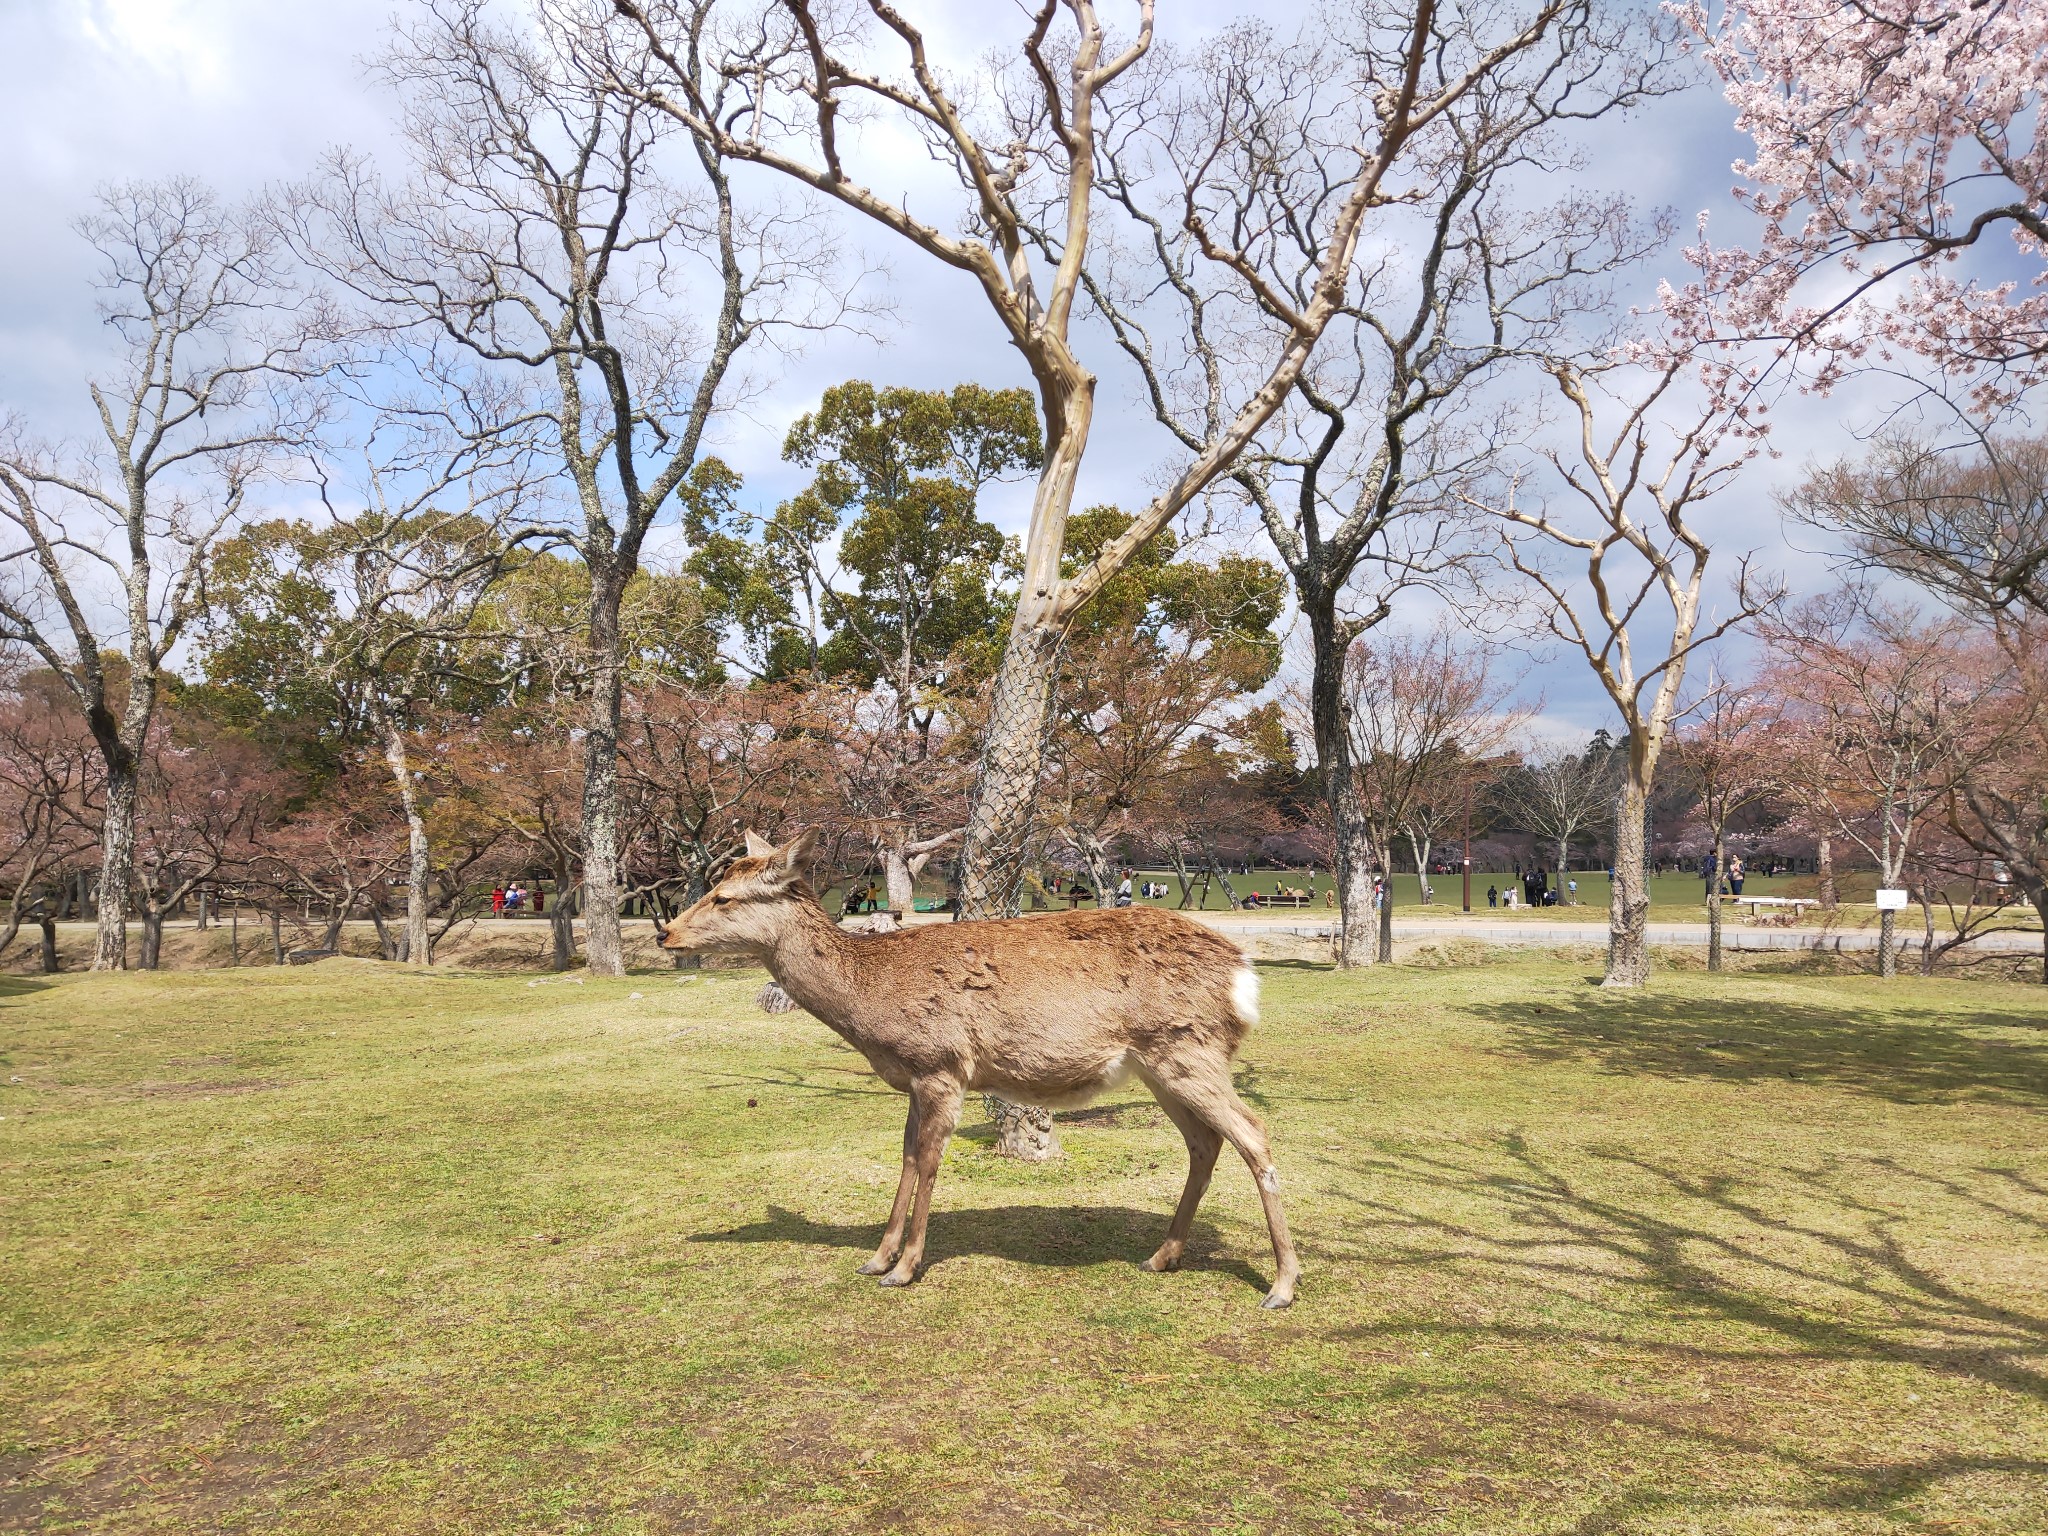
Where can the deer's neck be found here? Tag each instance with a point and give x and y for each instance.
(810, 963)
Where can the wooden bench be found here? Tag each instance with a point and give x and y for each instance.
(1798, 904)
(1283, 901)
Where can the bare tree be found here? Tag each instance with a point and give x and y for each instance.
(1351, 478)
(109, 546)
(1557, 796)
(1647, 454)
(1879, 723)
(1970, 525)
(1026, 137)
(1421, 708)
(1727, 757)
(47, 789)
(546, 237)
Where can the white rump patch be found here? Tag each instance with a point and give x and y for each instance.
(1244, 995)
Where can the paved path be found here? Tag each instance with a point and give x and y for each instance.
(1548, 934)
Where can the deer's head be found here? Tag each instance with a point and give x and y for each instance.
(749, 906)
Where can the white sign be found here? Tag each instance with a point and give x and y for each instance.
(1891, 901)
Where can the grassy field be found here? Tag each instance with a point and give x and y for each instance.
(1673, 898)
(343, 1249)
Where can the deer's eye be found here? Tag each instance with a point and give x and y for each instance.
(721, 901)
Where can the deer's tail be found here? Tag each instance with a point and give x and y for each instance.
(1244, 995)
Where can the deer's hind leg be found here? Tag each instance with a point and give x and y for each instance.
(906, 1186)
(1202, 1086)
(938, 1112)
(1204, 1142)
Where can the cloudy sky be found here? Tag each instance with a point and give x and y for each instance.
(246, 93)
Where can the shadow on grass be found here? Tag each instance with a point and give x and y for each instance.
(21, 986)
(1904, 1054)
(1068, 1236)
(1839, 1283)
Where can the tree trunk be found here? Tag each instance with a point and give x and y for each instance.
(205, 907)
(2039, 897)
(603, 944)
(1350, 844)
(419, 866)
(1714, 904)
(1387, 913)
(1023, 1131)
(1628, 914)
(48, 927)
(117, 865)
(897, 878)
(336, 916)
(152, 937)
(387, 941)
(562, 921)
(1824, 861)
(277, 933)
(1926, 931)
(999, 825)
(1887, 932)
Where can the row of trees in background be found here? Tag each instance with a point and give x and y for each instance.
(1326, 261)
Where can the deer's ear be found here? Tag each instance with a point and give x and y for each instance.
(758, 847)
(796, 854)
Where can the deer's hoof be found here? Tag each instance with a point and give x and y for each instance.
(896, 1279)
(1276, 1299)
(1161, 1263)
(875, 1267)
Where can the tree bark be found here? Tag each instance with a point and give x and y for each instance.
(117, 864)
(419, 866)
(48, 927)
(562, 920)
(1824, 861)
(1628, 914)
(1387, 915)
(1714, 904)
(1350, 843)
(1887, 934)
(152, 938)
(277, 933)
(603, 943)
(1000, 823)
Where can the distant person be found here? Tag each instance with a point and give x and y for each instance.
(1123, 890)
(497, 901)
(1572, 886)
(1493, 895)
(540, 902)
(1735, 873)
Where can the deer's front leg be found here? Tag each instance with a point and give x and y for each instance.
(938, 1112)
(906, 1185)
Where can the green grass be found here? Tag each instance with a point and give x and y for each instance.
(340, 1249)
(1673, 898)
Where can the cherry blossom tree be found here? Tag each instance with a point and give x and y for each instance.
(1892, 137)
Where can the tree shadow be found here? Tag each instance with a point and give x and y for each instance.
(21, 986)
(1908, 1055)
(1840, 1285)
(1069, 1237)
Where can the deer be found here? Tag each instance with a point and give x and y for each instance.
(1048, 1010)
